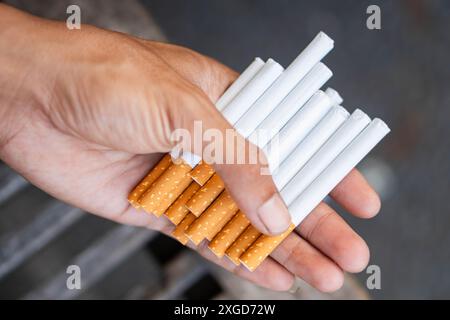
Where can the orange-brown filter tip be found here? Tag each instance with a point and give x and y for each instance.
(228, 234)
(261, 248)
(201, 173)
(179, 231)
(177, 211)
(242, 243)
(151, 177)
(223, 208)
(206, 195)
(166, 189)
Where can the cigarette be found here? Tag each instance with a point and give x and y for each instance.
(166, 189)
(177, 211)
(338, 169)
(309, 145)
(318, 190)
(298, 127)
(201, 173)
(205, 195)
(335, 96)
(295, 72)
(326, 154)
(262, 248)
(243, 100)
(242, 243)
(228, 234)
(252, 91)
(180, 229)
(221, 210)
(154, 173)
(239, 83)
(293, 102)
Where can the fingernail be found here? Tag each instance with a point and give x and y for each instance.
(274, 214)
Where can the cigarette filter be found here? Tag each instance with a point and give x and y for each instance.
(261, 248)
(166, 189)
(180, 229)
(299, 95)
(206, 195)
(223, 208)
(154, 173)
(326, 154)
(304, 62)
(228, 234)
(338, 169)
(177, 211)
(242, 243)
(201, 173)
(307, 147)
(239, 83)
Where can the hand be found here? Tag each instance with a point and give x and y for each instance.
(84, 114)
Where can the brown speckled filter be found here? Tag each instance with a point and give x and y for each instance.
(180, 229)
(178, 210)
(204, 226)
(201, 173)
(154, 174)
(242, 243)
(261, 248)
(206, 195)
(228, 234)
(166, 189)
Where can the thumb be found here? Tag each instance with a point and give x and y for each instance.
(254, 192)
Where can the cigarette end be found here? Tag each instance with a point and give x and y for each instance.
(262, 248)
(242, 243)
(179, 232)
(148, 180)
(228, 234)
(206, 195)
(177, 211)
(166, 189)
(213, 219)
(201, 173)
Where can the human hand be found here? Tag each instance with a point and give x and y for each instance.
(85, 114)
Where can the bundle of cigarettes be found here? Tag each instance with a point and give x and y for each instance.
(319, 143)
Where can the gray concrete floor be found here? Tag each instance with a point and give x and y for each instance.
(400, 73)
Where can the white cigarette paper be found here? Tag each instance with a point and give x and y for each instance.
(337, 170)
(239, 83)
(309, 145)
(298, 127)
(326, 154)
(252, 91)
(335, 96)
(294, 101)
(296, 71)
(242, 101)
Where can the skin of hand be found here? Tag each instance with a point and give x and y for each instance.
(85, 114)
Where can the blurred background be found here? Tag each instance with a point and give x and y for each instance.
(400, 73)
